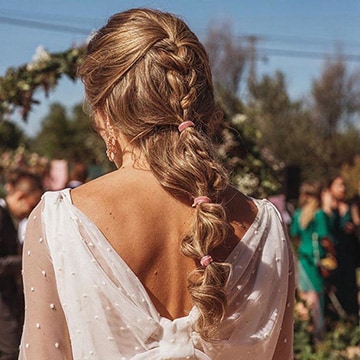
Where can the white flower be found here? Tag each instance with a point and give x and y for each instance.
(239, 119)
(40, 56)
(246, 183)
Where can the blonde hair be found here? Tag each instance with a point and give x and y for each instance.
(148, 73)
(310, 202)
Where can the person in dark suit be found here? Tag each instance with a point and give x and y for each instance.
(23, 193)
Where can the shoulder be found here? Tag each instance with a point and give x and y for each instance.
(51, 208)
(97, 191)
(239, 207)
(273, 209)
(51, 199)
(120, 194)
(119, 184)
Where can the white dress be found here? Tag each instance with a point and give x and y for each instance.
(78, 287)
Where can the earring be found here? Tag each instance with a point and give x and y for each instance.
(111, 149)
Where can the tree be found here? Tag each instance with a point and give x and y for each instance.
(336, 96)
(335, 111)
(250, 171)
(54, 138)
(317, 136)
(228, 58)
(11, 136)
(70, 137)
(238, 138)
(283, 124)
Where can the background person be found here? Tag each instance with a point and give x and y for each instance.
(78, 175)
(23, 192)
(347, 248)
(355, 214)
(310, 227)
(161, 258)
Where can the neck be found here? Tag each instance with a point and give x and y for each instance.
(134, 158)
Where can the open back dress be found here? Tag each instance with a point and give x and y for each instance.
(84, 302)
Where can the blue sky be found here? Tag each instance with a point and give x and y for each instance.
(305, 27)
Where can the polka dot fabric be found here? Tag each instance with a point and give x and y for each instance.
(84, 302)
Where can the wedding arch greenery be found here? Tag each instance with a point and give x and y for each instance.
(19, 85)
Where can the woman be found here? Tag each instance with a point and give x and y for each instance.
(160, 258)
(310, 227)
(347, 248)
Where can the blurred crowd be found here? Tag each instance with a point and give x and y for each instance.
(325, 228)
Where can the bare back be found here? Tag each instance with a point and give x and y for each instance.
(145, 225)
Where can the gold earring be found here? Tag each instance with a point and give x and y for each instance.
(111, 149)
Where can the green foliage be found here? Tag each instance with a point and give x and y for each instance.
(18, 85)
(11, 136)
(335, 94)
(297, 133)
(284, 125)
(54, 138)
(342, 341)
(270, 94)
(228, 58)
(250, 171)
(70, 137)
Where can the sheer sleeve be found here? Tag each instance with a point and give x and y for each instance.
(45, 334)
(284, 347)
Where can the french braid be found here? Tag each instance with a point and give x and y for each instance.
(149, 73)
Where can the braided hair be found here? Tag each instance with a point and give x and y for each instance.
(148, 72)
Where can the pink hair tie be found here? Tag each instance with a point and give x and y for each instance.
(201, 199)
(206, 260)
(184, 125)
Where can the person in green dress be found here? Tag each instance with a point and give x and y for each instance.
(310, 228)
(342, 230)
